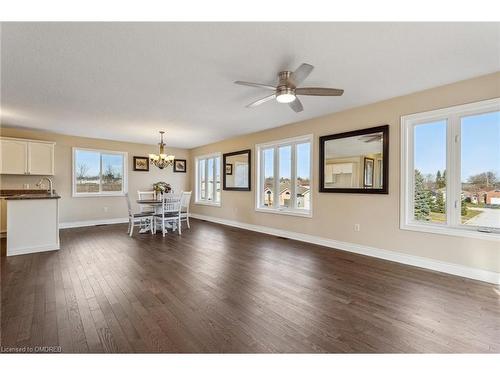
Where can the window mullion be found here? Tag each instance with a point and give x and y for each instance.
(100, 173)
(261, 178)
(214, 168)
(293, 176)
(276, 172)
(410, 173)
(198, 179)
(450, 190)
(206, 180)
(453, 188)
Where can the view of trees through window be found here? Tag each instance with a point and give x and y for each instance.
(97, 172)
(479, 174)
(480, 169)
(430, 172)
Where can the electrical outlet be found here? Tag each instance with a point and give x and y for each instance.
(26, 186)
(357, 227)
(105, 208)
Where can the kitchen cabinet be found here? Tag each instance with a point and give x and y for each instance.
(40, 158)
(14, 156)
(26, 157)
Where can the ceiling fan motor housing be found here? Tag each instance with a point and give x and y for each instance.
(285, 79)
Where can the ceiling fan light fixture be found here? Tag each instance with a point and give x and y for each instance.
(285, 95)
(285, 98)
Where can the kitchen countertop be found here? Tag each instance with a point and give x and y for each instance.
(27, 194)
(32, 196)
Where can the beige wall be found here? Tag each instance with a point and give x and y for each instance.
(334, 215)
(94, 208)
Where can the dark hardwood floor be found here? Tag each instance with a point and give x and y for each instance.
(220, 289)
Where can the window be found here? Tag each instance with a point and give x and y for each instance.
(451, 170)
(208, 180)
(284, 176)
(97, 172)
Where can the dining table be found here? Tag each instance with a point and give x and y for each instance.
(149, 202)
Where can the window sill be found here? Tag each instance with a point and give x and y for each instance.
(278, 211)
(212, 204)
(87, 195)
(457, 232)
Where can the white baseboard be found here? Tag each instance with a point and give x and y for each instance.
(89, 223)
(30, 250)
(412, 260)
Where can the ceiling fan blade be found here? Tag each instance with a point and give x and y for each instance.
(260, 101)
(252, 84)
(301, 73)
(296, 105)
(370, 138)
(318, 91)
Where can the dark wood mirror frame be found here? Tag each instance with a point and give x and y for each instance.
(385, 165)
(224, 157)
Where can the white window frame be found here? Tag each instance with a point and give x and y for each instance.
(452, 116)
(124, 190)
(259, 199)
(198, 199)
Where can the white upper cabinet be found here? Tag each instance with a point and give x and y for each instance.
(40, 158)
(14, 156)
(23, 156)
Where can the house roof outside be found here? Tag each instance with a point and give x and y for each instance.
(300, 190)
(285, 185)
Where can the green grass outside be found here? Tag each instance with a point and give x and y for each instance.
(437, 217)
(472, 205)
(470, 214)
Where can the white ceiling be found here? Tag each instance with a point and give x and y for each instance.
(126, 81)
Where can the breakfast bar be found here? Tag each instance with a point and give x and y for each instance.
(32, 221)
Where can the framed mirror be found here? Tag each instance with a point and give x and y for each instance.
(355, 161)
(237, 170)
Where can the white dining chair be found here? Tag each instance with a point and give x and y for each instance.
(185, 202)
(136, 219)
(141, 195)
(170, 213)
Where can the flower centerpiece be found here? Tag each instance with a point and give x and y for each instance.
(161, 188)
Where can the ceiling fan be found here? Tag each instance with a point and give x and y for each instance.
(286, 91)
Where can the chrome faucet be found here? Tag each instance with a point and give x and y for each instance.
(51, 191)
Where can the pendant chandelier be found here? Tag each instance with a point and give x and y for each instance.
(161, 160)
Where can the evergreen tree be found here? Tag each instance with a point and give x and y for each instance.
(440, 179)
(422, 206)
(439, 204)
(463, 207)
